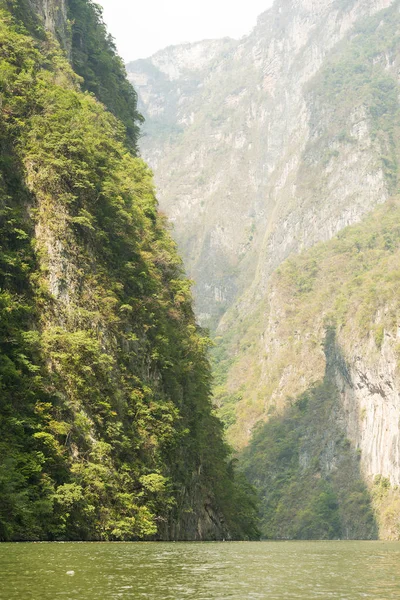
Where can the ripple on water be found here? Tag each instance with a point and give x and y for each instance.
(214, 571)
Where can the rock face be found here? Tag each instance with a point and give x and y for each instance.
(371, 404)
(266, 147)
(54, 15)
(346, 287)
(232, 129)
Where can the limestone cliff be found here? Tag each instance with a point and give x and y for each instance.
(54, 15)
(265, 147)
(347, 287)
(229, 135)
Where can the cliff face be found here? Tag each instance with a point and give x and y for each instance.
(273, 145)
(107, 429)
(343, 291)
(53, 13)
(231, 138)
(371, 404)
(361, 78)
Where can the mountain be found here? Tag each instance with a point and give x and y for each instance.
(228, 126)
(107, 427)
(276, 157)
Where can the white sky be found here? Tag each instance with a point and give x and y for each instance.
(141, 27)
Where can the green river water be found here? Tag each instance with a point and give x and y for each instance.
(202, 571)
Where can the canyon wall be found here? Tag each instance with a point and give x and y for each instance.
(274, 146)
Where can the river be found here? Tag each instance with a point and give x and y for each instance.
(202, 571)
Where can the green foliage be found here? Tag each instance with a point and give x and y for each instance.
(351, 281)
(379, 335)
(387, 504)
(106, 419)
(24, 16)
(357, 275)
(356, 78)
(94, 57)
(302, 496)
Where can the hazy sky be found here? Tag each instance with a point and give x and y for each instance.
(140, 28)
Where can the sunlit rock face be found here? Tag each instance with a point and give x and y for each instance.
(230, 132)
(371, 405)
(54, 15)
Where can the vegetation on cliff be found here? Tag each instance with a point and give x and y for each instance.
(107, 429)
(353, 102)
(269, 363)
(95, 59)
(307, 471)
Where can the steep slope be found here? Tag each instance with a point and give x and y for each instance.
(339, 407)
(348, 284)
(228, 128)
(107, 429)
(286, 138)
(360, 78)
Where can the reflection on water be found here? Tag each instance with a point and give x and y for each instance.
(209, 571)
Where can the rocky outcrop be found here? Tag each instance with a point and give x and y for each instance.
(54, 16)
(370, 401)
(346, 291)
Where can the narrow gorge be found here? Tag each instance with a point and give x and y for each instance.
(277, 157)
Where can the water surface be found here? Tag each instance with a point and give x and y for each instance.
(207, 571)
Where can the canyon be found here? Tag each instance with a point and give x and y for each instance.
(276, 159)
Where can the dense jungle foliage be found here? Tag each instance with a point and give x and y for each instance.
(107, 430)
